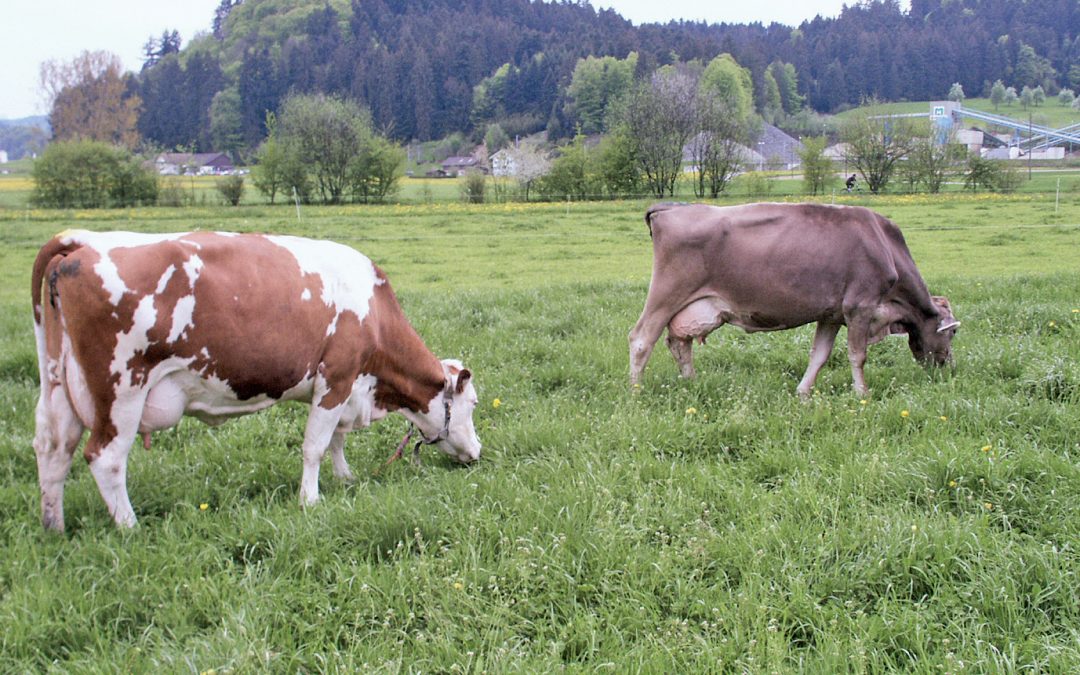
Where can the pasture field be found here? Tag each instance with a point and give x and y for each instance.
(712, 525)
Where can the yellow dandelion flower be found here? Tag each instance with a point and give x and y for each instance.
(952, 483)
(904, 413)
(691, 411)
(862, 401)
(1076, 311)
(496, 403)
(914, 528)
(1053, 323)
(203, 506)
(987, 448)
(458, 585)
(989, 506)
(943, 418)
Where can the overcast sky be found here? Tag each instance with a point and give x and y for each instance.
(36, 31)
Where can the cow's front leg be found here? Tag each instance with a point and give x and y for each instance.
(321, 425)
(824, 338)
(857, 340)
(337, 456)
(683, 351)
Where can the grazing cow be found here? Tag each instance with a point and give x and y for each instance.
(136, 330)
(777, 266)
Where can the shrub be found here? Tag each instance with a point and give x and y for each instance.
(231, 188)
(473, 185)
(91, 174)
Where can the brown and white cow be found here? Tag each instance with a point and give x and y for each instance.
(136, 330)
(777, 266)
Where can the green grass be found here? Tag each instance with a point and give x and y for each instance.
(699, 526)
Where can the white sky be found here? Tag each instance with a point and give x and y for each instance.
(36, 31)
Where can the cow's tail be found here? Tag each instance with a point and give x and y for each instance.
(655, 209)
(59, 246)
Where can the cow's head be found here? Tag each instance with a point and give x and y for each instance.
(459, 399)
(932, 342)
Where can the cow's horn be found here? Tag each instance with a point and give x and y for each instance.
(946, 326)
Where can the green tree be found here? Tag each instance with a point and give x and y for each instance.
(226, 121)
(495, 138)
(932, 159)
(325, 134)
(1027, 97)
(376, 172)
(774, 106)
(90, 174)
(1038, 96)
(270, 174)
(956, 92)
(597, 85)
(875, 143)
(620, 174)
(660, 116)
(997, 93)
(724, 79)
(231, 188)
(982, 173)
(817, 169)
(716, 150)
(571, 175)
(788, 83)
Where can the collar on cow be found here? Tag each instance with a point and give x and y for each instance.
(424, 440)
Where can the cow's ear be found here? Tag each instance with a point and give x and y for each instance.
(462, 380)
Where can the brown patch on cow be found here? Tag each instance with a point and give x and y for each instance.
(409, 375)
(462, 380)
(93, 324)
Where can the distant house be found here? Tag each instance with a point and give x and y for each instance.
(3, 157)
(777, 150)
(503, 163)
(457, 166)
(201, 164)
(773, 149)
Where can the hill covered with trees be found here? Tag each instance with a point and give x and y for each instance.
(427, 68)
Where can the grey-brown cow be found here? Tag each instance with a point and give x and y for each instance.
(777, 266)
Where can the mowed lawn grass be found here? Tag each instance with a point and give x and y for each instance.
(713, 525)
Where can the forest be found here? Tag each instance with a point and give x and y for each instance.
(428, 68)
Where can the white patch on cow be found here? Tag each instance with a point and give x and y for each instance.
(135, 340)
(360, 410)
(182, 317)
(104, 243)
(348, 276)
(193, 267)
(75, 384)
(163, 282)
(306, 295)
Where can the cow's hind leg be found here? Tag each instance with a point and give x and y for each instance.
(107, 452)
(643, 338)
(337, 456)
(58, 432)
(824, 338)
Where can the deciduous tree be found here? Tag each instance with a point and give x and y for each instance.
(89, 98)
(875, 143)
